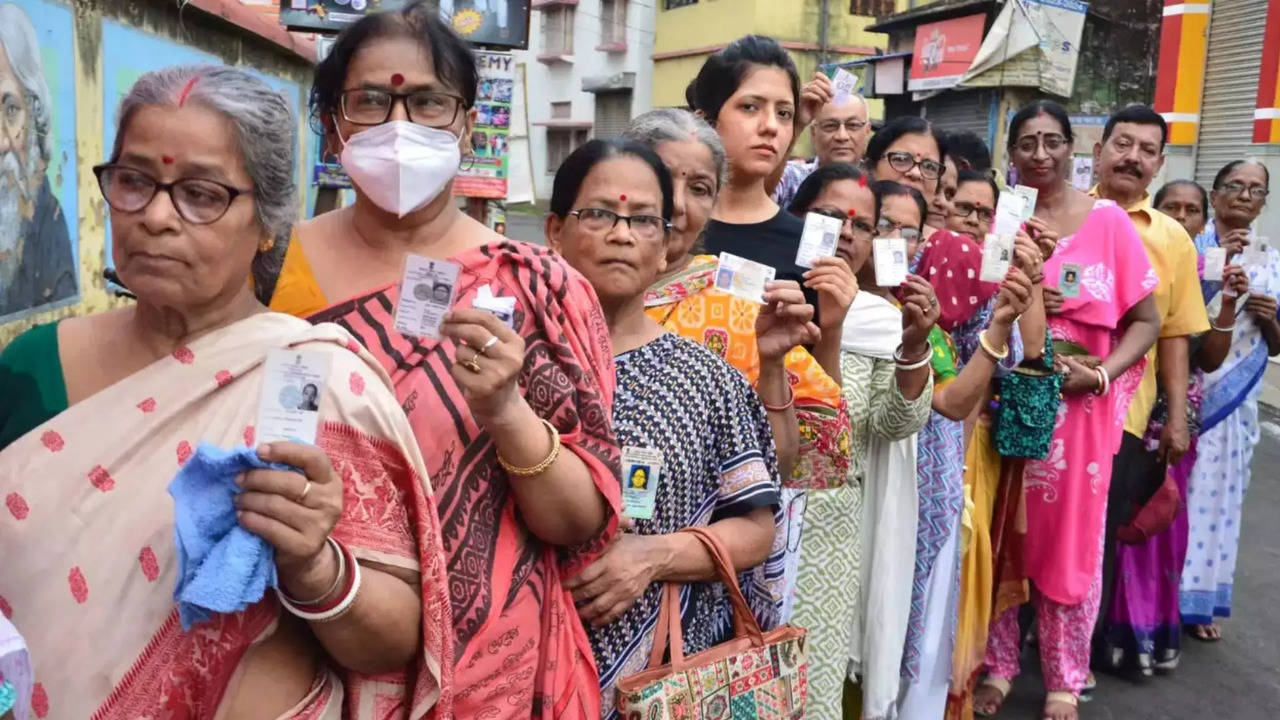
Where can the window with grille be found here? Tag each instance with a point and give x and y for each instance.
(871, 7)
(670, 4)
(557, 30)
(561, 142)
(613, 22)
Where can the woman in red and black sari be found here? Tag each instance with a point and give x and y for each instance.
(511, 410)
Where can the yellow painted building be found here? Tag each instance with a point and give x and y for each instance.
(687, 32)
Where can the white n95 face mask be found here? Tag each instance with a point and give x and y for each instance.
(401, 166)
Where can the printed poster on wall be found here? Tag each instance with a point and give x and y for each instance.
(943, 52)
(484, 171)
(1033, 43)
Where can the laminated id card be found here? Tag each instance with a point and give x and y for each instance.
(1215, 261)
(742, 277)
(289, 404)
(890, 257)
(997, 256)
(427, 290)
(1069, 280)
(819, 239)
(641, 472)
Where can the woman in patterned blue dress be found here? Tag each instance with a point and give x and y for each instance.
(610, 210)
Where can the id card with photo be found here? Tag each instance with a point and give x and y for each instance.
(1215, 261)
(1009, 209)
(1028, 195)
(641, 472)
(427, 290)
(997, 256)
(289, 404)
(1069, 280)
(819, 239)
(1254, 261)
(503, 308)
(890, 257)
(742, 277)
(843, 85)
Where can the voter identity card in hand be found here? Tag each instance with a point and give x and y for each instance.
(821, 233)
(997, 255)
(503, 308)
(843, 85)
(289, 404)
(742, 277)
(890, 256)
(426, 294)
(1254, 261)
(641, 473)
(1028, 195)
(1009, 211)
(1215, 261)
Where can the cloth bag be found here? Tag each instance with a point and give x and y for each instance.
(1029, 398)
(754, 675)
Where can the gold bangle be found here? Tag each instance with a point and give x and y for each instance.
(990, 351)
(540, 467)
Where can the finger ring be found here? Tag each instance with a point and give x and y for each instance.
(484, 349)
(471, 365)
(933, 301)
(303, 495)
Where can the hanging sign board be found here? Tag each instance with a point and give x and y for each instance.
(944, 51)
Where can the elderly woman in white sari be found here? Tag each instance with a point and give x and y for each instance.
(103, 411)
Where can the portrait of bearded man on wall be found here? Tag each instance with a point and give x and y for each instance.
(37, 266)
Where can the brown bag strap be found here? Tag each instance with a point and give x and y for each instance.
(668, 627)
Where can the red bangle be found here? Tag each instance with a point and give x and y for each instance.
(790, 403)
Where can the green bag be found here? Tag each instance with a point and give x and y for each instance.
(1029, 398)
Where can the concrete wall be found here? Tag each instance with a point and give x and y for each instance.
(90, 53)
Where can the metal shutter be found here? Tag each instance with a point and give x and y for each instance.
(1230, 84)
(613, 113)
(957, 110)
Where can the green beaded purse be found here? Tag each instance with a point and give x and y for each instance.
(1029, 398)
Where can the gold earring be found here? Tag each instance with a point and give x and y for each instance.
(266, 245)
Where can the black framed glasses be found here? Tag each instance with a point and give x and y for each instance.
(600, 220)
(904, 161)
(858, 224)
(369, 106)
(1256, 192)
(888, 228)
(198, 201)
(831, 127)
(965, 209)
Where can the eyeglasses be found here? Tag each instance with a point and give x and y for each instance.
(1052, 142)
(199, 202)
(965, 209)
(858, 224)
(424, 107)
(831, 127)
(1257, 192)
(887, 227)
(599, 220)
(904, 161)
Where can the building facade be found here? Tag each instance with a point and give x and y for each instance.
(586, 73)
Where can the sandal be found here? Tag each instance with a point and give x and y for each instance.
(1061, 697)
(1090, 684)
(1206, 633)
(1001, 687)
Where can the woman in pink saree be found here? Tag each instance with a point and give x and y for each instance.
(1102, 318)
(102, 411)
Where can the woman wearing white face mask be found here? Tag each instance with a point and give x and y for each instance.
(512, 414)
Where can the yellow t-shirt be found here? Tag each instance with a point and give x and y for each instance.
(1178, 298)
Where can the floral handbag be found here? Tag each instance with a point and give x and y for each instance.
(1029, 399)
(756, 675)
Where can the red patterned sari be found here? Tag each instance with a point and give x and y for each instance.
(90, 563)
(521, 650)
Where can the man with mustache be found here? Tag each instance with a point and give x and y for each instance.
(1127, 159)
(36, 265)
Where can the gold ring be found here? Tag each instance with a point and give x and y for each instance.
(484, 349)
(303, 495)
(471, 365)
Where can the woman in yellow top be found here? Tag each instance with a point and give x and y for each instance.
(685, 302)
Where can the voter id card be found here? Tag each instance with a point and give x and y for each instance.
(997, 255)
(1215, 261)
(1009, 209)
(289, 404)
(1254, 261)
(819, 239)
(1028, 195)
(890, 257)
(641, 472)
(742, 277)
(1069, 280)
(843, 85)
(503, 308)
(426, 293)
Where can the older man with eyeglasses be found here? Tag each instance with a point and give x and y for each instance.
(840, 134)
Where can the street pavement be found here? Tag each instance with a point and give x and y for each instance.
(1235, 679)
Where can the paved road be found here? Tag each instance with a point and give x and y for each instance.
(1236, 679)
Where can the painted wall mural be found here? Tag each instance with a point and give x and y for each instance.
(38, 206)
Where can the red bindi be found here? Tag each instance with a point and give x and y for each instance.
(397, 80)
(622, 198)
(853, 213)
(166, 159)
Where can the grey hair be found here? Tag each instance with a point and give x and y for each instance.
(22, 47)
(263, 120)
(676, 125)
